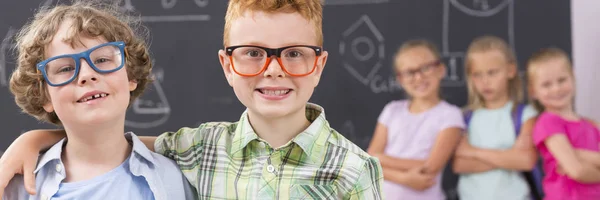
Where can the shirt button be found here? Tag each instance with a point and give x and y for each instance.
(58, 168)
(261, 145)
(270, 168)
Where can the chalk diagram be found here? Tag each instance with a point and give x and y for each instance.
(363, 51)
(152, 108)
(477, 12)
(353, 2)
(168, 4)
(5, 45)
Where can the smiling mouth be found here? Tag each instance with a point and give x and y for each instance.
(91, 98)
(274, 92)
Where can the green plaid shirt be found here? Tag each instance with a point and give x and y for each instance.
(225, 160)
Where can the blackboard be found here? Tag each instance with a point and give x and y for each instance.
(360, 35)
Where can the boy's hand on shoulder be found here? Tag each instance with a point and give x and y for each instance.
(18, 159)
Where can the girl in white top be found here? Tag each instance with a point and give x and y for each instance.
(491, 158)
(414, 138)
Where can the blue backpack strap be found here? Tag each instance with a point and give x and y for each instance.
(518, 117)
(467, 117)
(536, 174)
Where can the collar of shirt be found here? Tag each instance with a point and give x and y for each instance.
(140, 164)
(54, 153)
(312, 140)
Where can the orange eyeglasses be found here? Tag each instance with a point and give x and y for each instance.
(296, 60)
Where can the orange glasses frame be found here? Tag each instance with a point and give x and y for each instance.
(271, 53)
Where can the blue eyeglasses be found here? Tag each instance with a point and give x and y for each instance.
(104, 58)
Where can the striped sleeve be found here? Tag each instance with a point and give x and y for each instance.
(169, 144)
(369, 183)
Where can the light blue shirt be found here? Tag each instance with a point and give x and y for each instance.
(118, 183)
(144, 175)
(494, 129)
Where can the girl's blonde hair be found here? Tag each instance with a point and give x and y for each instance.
(416, 43)
(485, 44)
(544, 55)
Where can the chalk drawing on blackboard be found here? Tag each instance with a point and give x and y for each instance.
(362, 48)
(152, 108)
(481, 8)
(4, 50)
(168, 4)
(353, 2)
(453, 57)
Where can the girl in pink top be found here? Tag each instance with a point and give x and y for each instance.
(414, 138)
(568, 143)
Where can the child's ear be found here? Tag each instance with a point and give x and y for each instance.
(320, 66)
(48, 107)
(443, 70)
(512, 71)
(530, 92)
(132, 85)
(226, 65)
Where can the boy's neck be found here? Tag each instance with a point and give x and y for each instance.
(496, 103)
(93, 151)
(279, 131)
(423, 104)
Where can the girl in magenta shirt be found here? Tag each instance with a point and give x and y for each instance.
(568, 142)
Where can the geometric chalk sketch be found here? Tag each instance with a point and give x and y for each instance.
(168, 4)
(363, 52)
(362, 47)
(463, 20)
(4, 49)
(353, 2)
(152, 108)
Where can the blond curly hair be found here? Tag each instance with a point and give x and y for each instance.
(90, 20)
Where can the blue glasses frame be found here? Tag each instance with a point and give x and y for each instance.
(77, 57)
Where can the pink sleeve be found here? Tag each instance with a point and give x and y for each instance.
(547, 125)
(453, 119)
(386, 115)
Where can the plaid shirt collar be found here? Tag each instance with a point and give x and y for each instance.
(317, 133)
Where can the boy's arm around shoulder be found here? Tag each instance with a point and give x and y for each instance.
(21, 156)
(369, 183)
(15, 190)
(172, 144)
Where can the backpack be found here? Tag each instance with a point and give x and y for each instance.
(534, 178)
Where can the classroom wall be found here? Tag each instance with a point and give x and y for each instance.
(586, 58)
